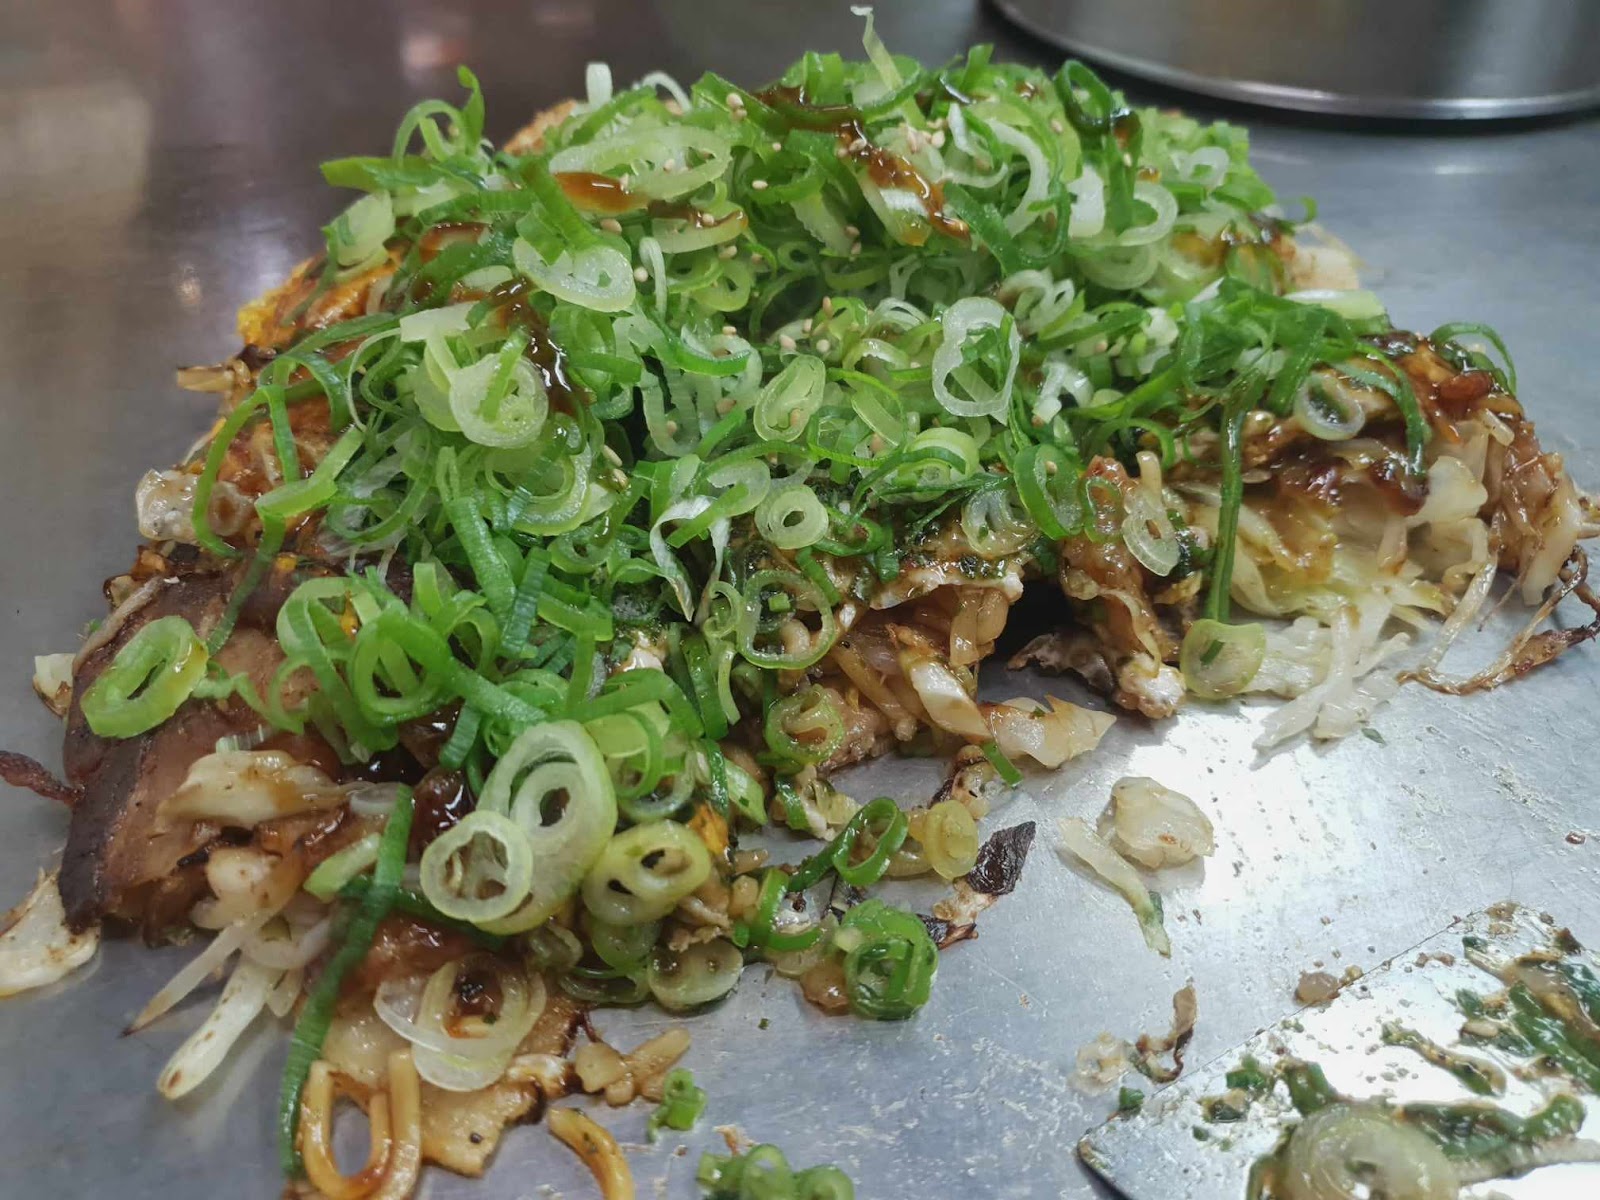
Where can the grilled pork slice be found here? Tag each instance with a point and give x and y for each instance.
(118, 849)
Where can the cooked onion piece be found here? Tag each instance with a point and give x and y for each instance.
(242, 788)
(37, 948)
(1156, 826)
(52, 680)
(1105, 862)
(948, 703)
(245, 882)
(1051, 733)
(164, 501)
(463, 1052)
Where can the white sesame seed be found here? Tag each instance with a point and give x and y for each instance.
(738, 114)
(823, 345)
(855, 250)
(1050, 468)
(728, 331)
(796, 418)
(827, 304)
(724, 406)
(640, 274)
(877, 443)
(1038, 423)
(840, 152)
(776, 146)
(673, 107)
(805, 326)
(672, 428)
(611, 225)
(670, 166)
(728, 251)
(760, 185)
(735, 100)
(611, 454)
(1056, 126)
(937, 139)
(756, 260)
(851, 231)
(785, 342)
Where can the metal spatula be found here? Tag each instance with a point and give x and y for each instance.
(1191, 1141)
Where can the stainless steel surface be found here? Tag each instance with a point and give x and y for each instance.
(1393, 58)
(159, 168)
(1157, 1155)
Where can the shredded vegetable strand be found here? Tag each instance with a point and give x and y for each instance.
(312, 1026)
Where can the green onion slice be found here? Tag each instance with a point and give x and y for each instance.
(153, 673)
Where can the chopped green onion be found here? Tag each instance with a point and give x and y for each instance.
(890, 961)
(317, 1013)
(880, 819)
(682, 1102)
(333, 872)
(151, 676)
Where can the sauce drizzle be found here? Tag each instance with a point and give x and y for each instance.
(598, 193)
(885, 168)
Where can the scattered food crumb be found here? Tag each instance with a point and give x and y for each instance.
(736, 1139)
(1185, 1010)
(1316, 987)
(1577, 837)
(1101, 1064)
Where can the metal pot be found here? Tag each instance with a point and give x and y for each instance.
(1396, 58)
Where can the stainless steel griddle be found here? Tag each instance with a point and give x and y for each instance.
(158, 167)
